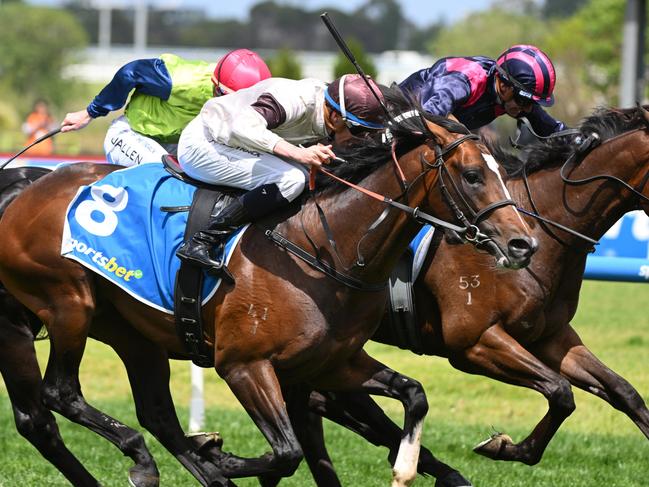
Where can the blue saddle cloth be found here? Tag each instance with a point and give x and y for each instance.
(116, 228)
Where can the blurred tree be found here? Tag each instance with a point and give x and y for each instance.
(598, 28)
(36, 43)
(284, 64)
(344, 66)
(488, 33)
(561, 8)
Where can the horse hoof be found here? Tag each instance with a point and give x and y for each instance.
(140, 478)
(492, 447)
(204, 440)
(454, 479)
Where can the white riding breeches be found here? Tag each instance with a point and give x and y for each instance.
(126, 147)
(216, 163)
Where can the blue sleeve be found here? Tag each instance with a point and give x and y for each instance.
(441, 95)
(148, 76)
(542, 123)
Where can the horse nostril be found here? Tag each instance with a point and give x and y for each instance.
(522, 247)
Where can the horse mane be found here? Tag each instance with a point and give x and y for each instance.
(365, 154)
(553, 152)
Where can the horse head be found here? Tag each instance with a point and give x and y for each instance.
(462, 172)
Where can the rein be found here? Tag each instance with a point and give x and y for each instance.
(469, 231)
(588, 143)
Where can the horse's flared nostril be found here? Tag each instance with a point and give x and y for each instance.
(522, 248)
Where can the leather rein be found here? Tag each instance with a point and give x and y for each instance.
(469, 231)
(584, 147)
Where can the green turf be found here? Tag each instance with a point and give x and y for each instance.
(597, 446)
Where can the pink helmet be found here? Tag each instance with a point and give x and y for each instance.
(530, 71)
(240, 69)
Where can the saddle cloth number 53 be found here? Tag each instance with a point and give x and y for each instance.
(98, 215)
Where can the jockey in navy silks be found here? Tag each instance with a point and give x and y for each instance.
(478, 89)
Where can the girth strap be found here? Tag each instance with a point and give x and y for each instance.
(402, 312)
(189, 285)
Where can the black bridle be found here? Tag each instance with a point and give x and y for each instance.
(585, 146)
(469, 231)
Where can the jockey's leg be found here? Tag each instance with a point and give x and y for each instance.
(271, 182)
(246, 208)
(126, 147)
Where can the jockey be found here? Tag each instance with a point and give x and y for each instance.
(252, 140)
(478, 89)
(169, 93)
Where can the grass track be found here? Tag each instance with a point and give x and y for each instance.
(597, 446)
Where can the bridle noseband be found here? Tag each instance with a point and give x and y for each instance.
(472, 233)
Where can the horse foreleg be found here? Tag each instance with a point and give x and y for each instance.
(359, 413)
(147, 366)
(566, 352)
(68, 323)
(499, 356)
(258, 390)
(22, 378)
(364, 373)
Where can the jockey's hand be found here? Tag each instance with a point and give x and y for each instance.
(75, 121)
(316, 155)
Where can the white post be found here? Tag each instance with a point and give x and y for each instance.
(632, 72)
(196, 403)
(104, 27)
(140, 26)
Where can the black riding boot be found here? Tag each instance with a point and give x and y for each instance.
(246, 208)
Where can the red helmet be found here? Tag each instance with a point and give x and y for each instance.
(240, 69)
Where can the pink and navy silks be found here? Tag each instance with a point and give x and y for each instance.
(465, 87)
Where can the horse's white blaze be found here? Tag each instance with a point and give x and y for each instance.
(405, 466)
(493, 165)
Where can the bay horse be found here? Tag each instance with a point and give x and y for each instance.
(313, 335)
(515, 327)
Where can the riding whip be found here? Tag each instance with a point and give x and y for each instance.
(349, 55)
(37, 141)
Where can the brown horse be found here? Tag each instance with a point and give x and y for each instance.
(21, 373)
(313, 334)
(515, 327)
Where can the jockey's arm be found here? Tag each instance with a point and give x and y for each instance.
(542, 123)
(252, 128)
(148, 76)
(441, 95)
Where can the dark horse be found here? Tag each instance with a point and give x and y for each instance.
(314, 334)
(515, 327)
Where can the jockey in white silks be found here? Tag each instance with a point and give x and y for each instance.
(252, 139)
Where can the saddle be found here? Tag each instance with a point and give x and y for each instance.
(208, 200)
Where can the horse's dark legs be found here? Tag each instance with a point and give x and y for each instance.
(364, 373)
(566, 352)
(258, 390)
(499, 356)
(22, 378)
(68, 327)
(360, 414)
(308, 428)
(147, 366)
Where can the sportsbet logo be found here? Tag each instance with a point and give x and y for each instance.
(110, 264)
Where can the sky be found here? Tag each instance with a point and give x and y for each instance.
(421, 12)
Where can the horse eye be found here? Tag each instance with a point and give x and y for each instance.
(472, 177)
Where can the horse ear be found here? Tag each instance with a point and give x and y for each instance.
(645, 113)
(442, 136)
